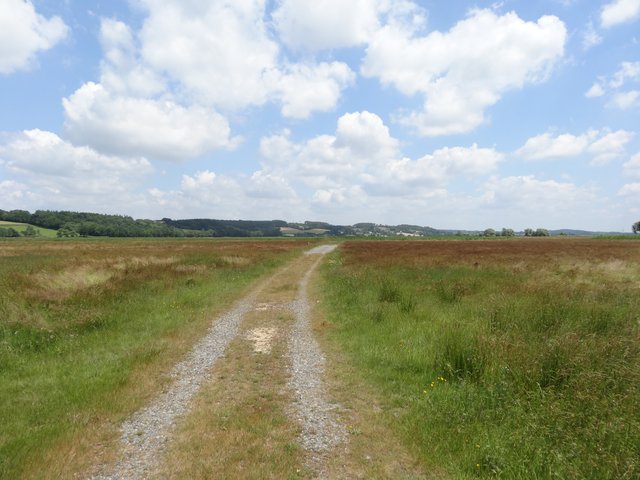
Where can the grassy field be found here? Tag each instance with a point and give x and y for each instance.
(21, 227)
(518, 358)
(89, 328)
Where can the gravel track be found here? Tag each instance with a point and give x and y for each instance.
(148, 430)
(146, 433)
(320, 429)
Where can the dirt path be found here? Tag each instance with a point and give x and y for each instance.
(252, 400)
(147, 432)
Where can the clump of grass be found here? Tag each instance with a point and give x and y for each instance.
(542, 361)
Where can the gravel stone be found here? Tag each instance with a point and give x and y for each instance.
(320, 429)
(146, 433)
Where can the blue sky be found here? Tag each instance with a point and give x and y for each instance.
(448, 114)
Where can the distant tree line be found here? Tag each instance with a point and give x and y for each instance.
(506, 232)
(539, 232)
(74, 224)
(230, 228)
(77, 224)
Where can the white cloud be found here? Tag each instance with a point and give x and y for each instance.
(305, 89)
(604, 146)
(266, 185)
(609, 147)
(328, 24)
(122, 70)
(137, 126)
(630, 190)
(632, 167)
(363, 154)
(465, 70)
(219, 50)
(627, 71)
(24, 32)
(50, 163)
(590, 37)
(625, 100)
(221, 53)
(366, 135)
(595, 91)
(545, 146)
(12, 194)
(528, 193)
(162, 89)
(619, 11)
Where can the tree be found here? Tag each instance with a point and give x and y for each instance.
(636, 227)
(30, 231)
(67, 231)
(528, 232)
(508, 232)
(9, 232)
(489, 232)
(541, 232)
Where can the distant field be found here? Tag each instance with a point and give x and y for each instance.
(20, 227)
(518, 359)
(87, 328)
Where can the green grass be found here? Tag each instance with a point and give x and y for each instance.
(491, 370)
(72, 355)
(21, 227)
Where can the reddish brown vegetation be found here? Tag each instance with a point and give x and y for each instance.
(489, 252)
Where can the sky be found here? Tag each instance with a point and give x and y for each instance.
(454, 114)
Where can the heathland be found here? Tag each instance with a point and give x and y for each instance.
(516, 358)
(89, 329)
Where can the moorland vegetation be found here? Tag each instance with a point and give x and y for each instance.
(517, 359)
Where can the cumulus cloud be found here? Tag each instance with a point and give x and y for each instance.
(625, 100)
(126, 125)
(305, 89)
(267, 185)
(627, 71)
(609, 147)
(165, 91)
(595, 91)
(24, 32)
(632, 167)
(603, 146)
(630, 190)
(52, 164)
(619, 11)
(464, 71)
(528, 193)
(363, 154)
(312, 25)
(12, 194)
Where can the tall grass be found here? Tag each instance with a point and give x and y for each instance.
(79, 353)
(517, 367)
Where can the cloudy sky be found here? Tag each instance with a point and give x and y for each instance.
(449, 114)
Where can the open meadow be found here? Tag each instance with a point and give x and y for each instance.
(89, 329)
(513, 358)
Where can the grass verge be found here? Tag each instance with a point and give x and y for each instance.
(516, 359)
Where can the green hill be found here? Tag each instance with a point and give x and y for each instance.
(21, 227)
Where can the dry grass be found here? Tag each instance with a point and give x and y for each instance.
(89, 330)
